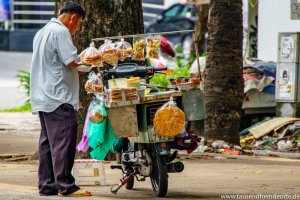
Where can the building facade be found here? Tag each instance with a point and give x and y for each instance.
(25, 17)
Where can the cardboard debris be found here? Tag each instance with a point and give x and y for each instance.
(268, 126)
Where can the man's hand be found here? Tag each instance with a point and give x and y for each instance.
(73, 64)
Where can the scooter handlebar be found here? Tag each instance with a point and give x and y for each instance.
(126, 71)
(156, 69)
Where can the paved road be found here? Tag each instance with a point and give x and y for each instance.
(201, 179)
(10, 62)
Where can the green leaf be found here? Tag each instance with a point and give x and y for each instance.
(24, 80)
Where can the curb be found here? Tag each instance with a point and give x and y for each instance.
(14, 157)
(267, 153)
(251, 154)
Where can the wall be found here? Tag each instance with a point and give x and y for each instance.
(17, 40)
(4, 40)
(274, 16)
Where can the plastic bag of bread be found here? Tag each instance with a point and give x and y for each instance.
(109, 53)
(169, 120)
(124, 49)
(97, 113)
(91, 56)
(94, 84)
(153, 46)
(138, 48)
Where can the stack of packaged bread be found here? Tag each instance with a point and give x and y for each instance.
(116, 95)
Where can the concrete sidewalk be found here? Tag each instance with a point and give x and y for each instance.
(19, 133)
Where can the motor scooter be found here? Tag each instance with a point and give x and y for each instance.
(145, 154)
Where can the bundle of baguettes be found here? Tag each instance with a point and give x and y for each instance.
(124, 53)
(110, 56)
(91, 56)
(91, 60)
(127, 94)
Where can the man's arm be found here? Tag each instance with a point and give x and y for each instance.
(73, 64)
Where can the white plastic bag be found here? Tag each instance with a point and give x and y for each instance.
(94, 84)
(91, 56)
(219, 144)
(124, 49)
(97, 113)
(109, 53)
(284, 145)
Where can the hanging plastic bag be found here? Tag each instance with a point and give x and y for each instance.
(98, 87)
(97, 113)
(169, 120)
(109, 53)
(83, 144)
(91, 56)
(124, 49)
(138, 48)
(100, 135)
(94, 84)
(153, 47)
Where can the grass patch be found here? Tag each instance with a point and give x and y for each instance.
(23, 108)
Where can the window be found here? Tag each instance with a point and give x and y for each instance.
(186, 11)
(172, 12)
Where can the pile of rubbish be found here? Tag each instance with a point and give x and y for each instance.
(259, 84)
(218, 146)
(280, 134)
(277, 134)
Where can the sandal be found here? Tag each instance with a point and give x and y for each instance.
(78, 193)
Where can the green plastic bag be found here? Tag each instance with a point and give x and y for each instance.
(100, 135)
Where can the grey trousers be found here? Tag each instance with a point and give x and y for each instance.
(57, 146)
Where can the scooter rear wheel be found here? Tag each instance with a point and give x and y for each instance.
(159, 176)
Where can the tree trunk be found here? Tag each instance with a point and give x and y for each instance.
(103, 18)
(201, 28)
(223, 82)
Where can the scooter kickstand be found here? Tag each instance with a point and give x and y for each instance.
(116, 187)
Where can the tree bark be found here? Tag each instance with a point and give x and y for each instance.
(103, 18)
(223, 82)
(201, 28)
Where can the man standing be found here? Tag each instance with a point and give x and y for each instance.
(54, 92)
